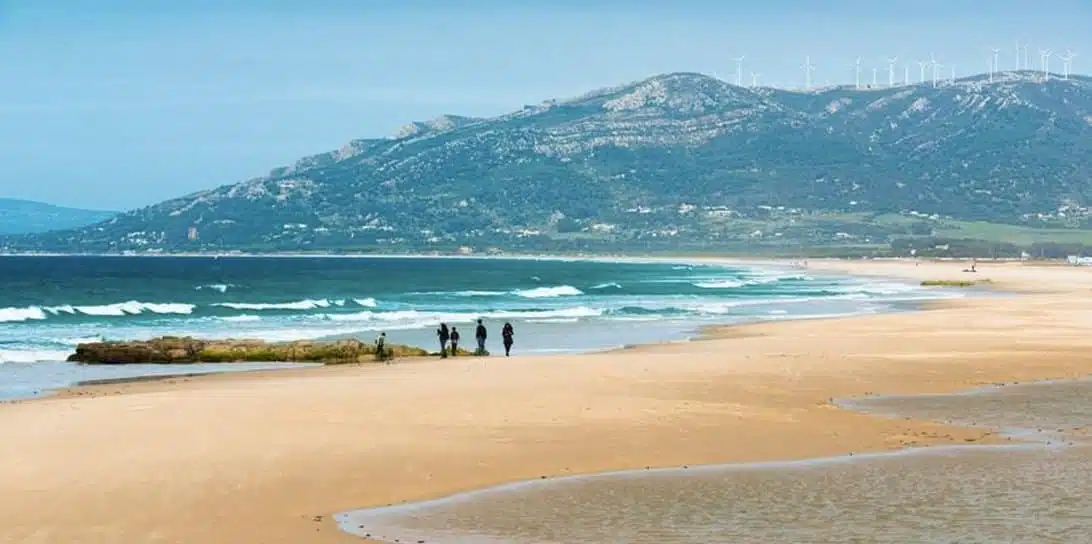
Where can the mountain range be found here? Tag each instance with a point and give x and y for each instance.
(25, 216)
(680, 160)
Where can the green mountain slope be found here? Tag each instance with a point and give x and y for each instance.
(675, 161)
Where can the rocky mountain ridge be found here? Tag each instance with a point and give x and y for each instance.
(679, 158)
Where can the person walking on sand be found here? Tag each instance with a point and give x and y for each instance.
(443, 334)
(480, 334)
(454, 341)
(507, 332)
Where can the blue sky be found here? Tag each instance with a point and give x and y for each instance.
(122, 103)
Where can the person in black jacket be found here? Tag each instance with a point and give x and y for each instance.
(480, 334)
(454, 341)
(507, 333)
(443, 334)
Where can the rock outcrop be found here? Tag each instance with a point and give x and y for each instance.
(191, 350)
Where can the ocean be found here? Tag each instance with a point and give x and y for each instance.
(50, 304)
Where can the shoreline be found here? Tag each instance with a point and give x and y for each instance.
(688, 332)
(701, 333)
(752, 392)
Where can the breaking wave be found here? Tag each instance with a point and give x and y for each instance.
(120, 309)
(307, 304)
(549, 292)
(221, 287)
(14, 315)
(535, 292)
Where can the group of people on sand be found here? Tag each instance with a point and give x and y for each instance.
(449, 340)
(451, 336)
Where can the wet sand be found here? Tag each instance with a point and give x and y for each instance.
(270, 457)
(1033, 490)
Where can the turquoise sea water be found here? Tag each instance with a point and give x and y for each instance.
(50, 304)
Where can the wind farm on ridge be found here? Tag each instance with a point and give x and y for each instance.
(929, 71)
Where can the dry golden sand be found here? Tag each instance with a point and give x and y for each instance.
(269, 457)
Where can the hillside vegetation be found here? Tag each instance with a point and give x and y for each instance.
(677, 162)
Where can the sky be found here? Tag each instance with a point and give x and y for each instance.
(117, 104)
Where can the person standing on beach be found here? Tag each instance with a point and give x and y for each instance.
(507, 333)
(444, 336)
(454, 341)
(480, 334)
(381, 347)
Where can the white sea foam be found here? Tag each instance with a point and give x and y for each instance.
(638, 318)
(15, 315)
(32, 355)
(762, 277)
(76, 340)
(307, 304)
(131, 307)
(119, 309)
(221, 287)
(610, 285)
(240, 318)
(877, 288)
(549, 292)
(366, 302)
(752, 279)
(721, 284)
(475, 293)
(415, 318)
(574, 312)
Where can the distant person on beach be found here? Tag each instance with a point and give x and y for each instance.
(381, 346)
(480, 334)
(507, 333)
(444, 335)
(454, 341)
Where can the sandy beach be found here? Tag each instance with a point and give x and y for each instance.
(271, 456)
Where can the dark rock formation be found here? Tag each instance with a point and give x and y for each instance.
(191, 350)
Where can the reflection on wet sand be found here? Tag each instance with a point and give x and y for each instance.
(1034, 490)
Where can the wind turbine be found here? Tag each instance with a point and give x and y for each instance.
(1044, 59)
(921, 68)
(891, 71)
(1019, 53)
(1067, 61)
(953, 74)
(936, 66)
(906, 74)
(739, 70)
(874, 70)
(808, 68)
(994, 67)
(754, 79)
(858, 79)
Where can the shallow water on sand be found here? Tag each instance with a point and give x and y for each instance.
(1027, 492)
